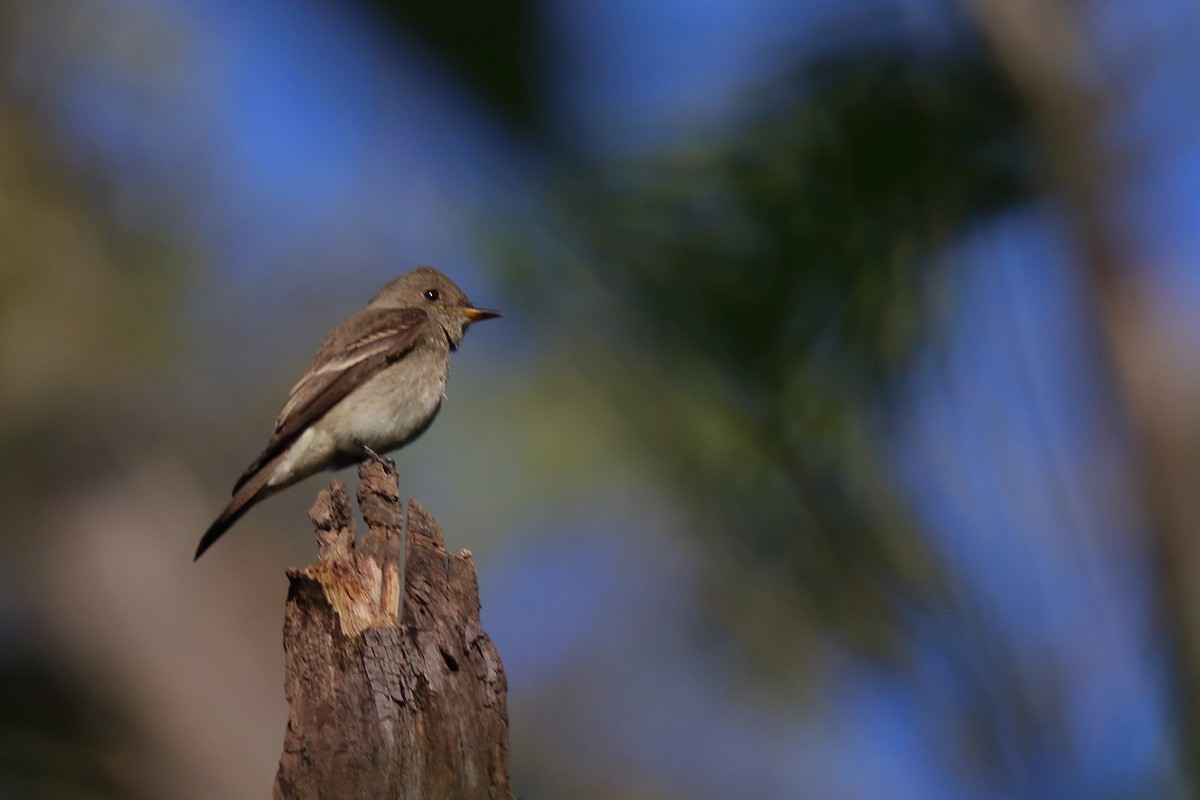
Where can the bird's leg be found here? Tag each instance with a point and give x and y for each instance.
(387, 463)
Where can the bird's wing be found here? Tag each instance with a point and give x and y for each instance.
(351, 354)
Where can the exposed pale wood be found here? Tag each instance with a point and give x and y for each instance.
(383, 707)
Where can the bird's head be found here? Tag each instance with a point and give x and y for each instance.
(428, 289)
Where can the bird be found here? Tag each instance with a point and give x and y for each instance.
(376, 383)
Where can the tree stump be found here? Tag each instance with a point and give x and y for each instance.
(410, 707)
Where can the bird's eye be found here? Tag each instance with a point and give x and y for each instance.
(432, 294)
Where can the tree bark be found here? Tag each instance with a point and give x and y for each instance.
(383, 706)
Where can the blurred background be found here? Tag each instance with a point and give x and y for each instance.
(841, 437)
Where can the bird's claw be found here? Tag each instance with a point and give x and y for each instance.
(388, 464)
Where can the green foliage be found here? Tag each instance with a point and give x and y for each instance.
(764, 291)
(493, 48)
(807, 232)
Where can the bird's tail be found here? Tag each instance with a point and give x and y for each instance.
(250, 490)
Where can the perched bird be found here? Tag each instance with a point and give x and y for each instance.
(375, 384)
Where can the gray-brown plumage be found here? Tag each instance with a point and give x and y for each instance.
(377, 382)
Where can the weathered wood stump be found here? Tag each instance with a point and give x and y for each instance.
(409, 707)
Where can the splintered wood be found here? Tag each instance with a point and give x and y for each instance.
(387, 706)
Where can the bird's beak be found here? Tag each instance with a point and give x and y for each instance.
(476, 314)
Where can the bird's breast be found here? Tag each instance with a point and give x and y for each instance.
(391, 408)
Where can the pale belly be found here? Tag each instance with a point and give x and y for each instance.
(387, 412)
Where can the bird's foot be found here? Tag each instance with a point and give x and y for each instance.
(388, 464)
